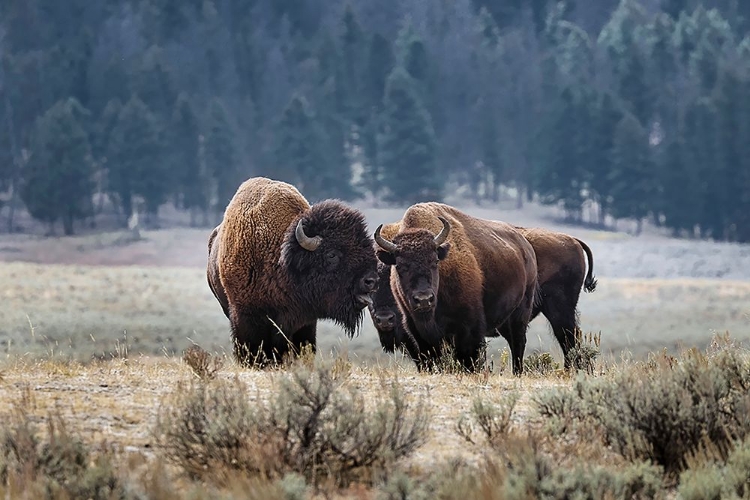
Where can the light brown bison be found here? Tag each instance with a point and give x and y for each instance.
(277, 265)
(458, 285)
(561, 265)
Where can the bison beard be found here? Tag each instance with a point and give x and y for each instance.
(277, 265)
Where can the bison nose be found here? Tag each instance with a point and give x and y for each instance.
(385, 321)
(369, 283)
(423, 300)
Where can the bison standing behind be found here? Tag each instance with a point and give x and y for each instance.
(277, 265)
(561, 260)
(457, 286)
(561, 264)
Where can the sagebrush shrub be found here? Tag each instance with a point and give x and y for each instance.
(540, 363)
(316, 425)
(729, 480)
(522, 471)
(201, 362)
(663, 412)
(59, 466)
(491, 419)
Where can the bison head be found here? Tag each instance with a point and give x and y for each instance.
(384, 311)
(415, 254)
(328, 254)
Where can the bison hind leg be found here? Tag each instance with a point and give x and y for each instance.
(560, 310)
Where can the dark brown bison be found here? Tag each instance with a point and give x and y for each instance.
(458, 285)
(561, 265)
(387, 318)
(277, 265)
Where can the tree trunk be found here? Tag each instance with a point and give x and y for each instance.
(67, 224)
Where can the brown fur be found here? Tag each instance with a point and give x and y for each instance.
(561, 262)
(487, 278)
(271, 289)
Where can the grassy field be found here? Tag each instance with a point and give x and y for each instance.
(96, 311)
(93, 327)
(150, 427)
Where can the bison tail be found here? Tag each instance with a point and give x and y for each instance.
(589, 284)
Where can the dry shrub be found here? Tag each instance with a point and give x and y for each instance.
(585, 352)
(316, 425)
(491, 419)
(59, 466)
(729, 480)
(664, 412)
(540, 364)
(521, 471)
(201, 362)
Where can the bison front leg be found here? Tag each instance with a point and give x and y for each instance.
(305, 336)
(469, 347)
(254, 339)
(422, 353)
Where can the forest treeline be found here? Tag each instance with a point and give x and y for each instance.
(627, 109)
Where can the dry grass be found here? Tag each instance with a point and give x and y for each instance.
(130, 424)
(83, 312)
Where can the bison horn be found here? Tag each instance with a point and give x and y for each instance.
(443, 234)
(386, 245)
(306, 242)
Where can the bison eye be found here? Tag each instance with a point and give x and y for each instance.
(332, 258)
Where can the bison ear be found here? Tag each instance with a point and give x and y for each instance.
(386, 258)
(442, 250)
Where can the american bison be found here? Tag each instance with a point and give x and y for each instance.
(458, 285)
(387, 317)
(277, 265)
(561, 265)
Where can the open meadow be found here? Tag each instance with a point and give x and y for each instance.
(93, 330)
(94, 294)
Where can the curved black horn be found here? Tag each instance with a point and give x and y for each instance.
(443, 234)
(306, 242)
(386, 245)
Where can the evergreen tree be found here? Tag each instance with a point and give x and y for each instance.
(221, 154)
(135, 159)
(185, 166)
(154, 86)
(680, 200)
(58, 178)
(354, 51)
(605, 116)
(380, 61)
(560, 172)
(633, 181)
(731, 170)
(406, 143)
(300, 152)
(701, 158)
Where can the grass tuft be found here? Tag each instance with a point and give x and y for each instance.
(202, 363)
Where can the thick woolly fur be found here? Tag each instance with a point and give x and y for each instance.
(272, 289)
(488, 277)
